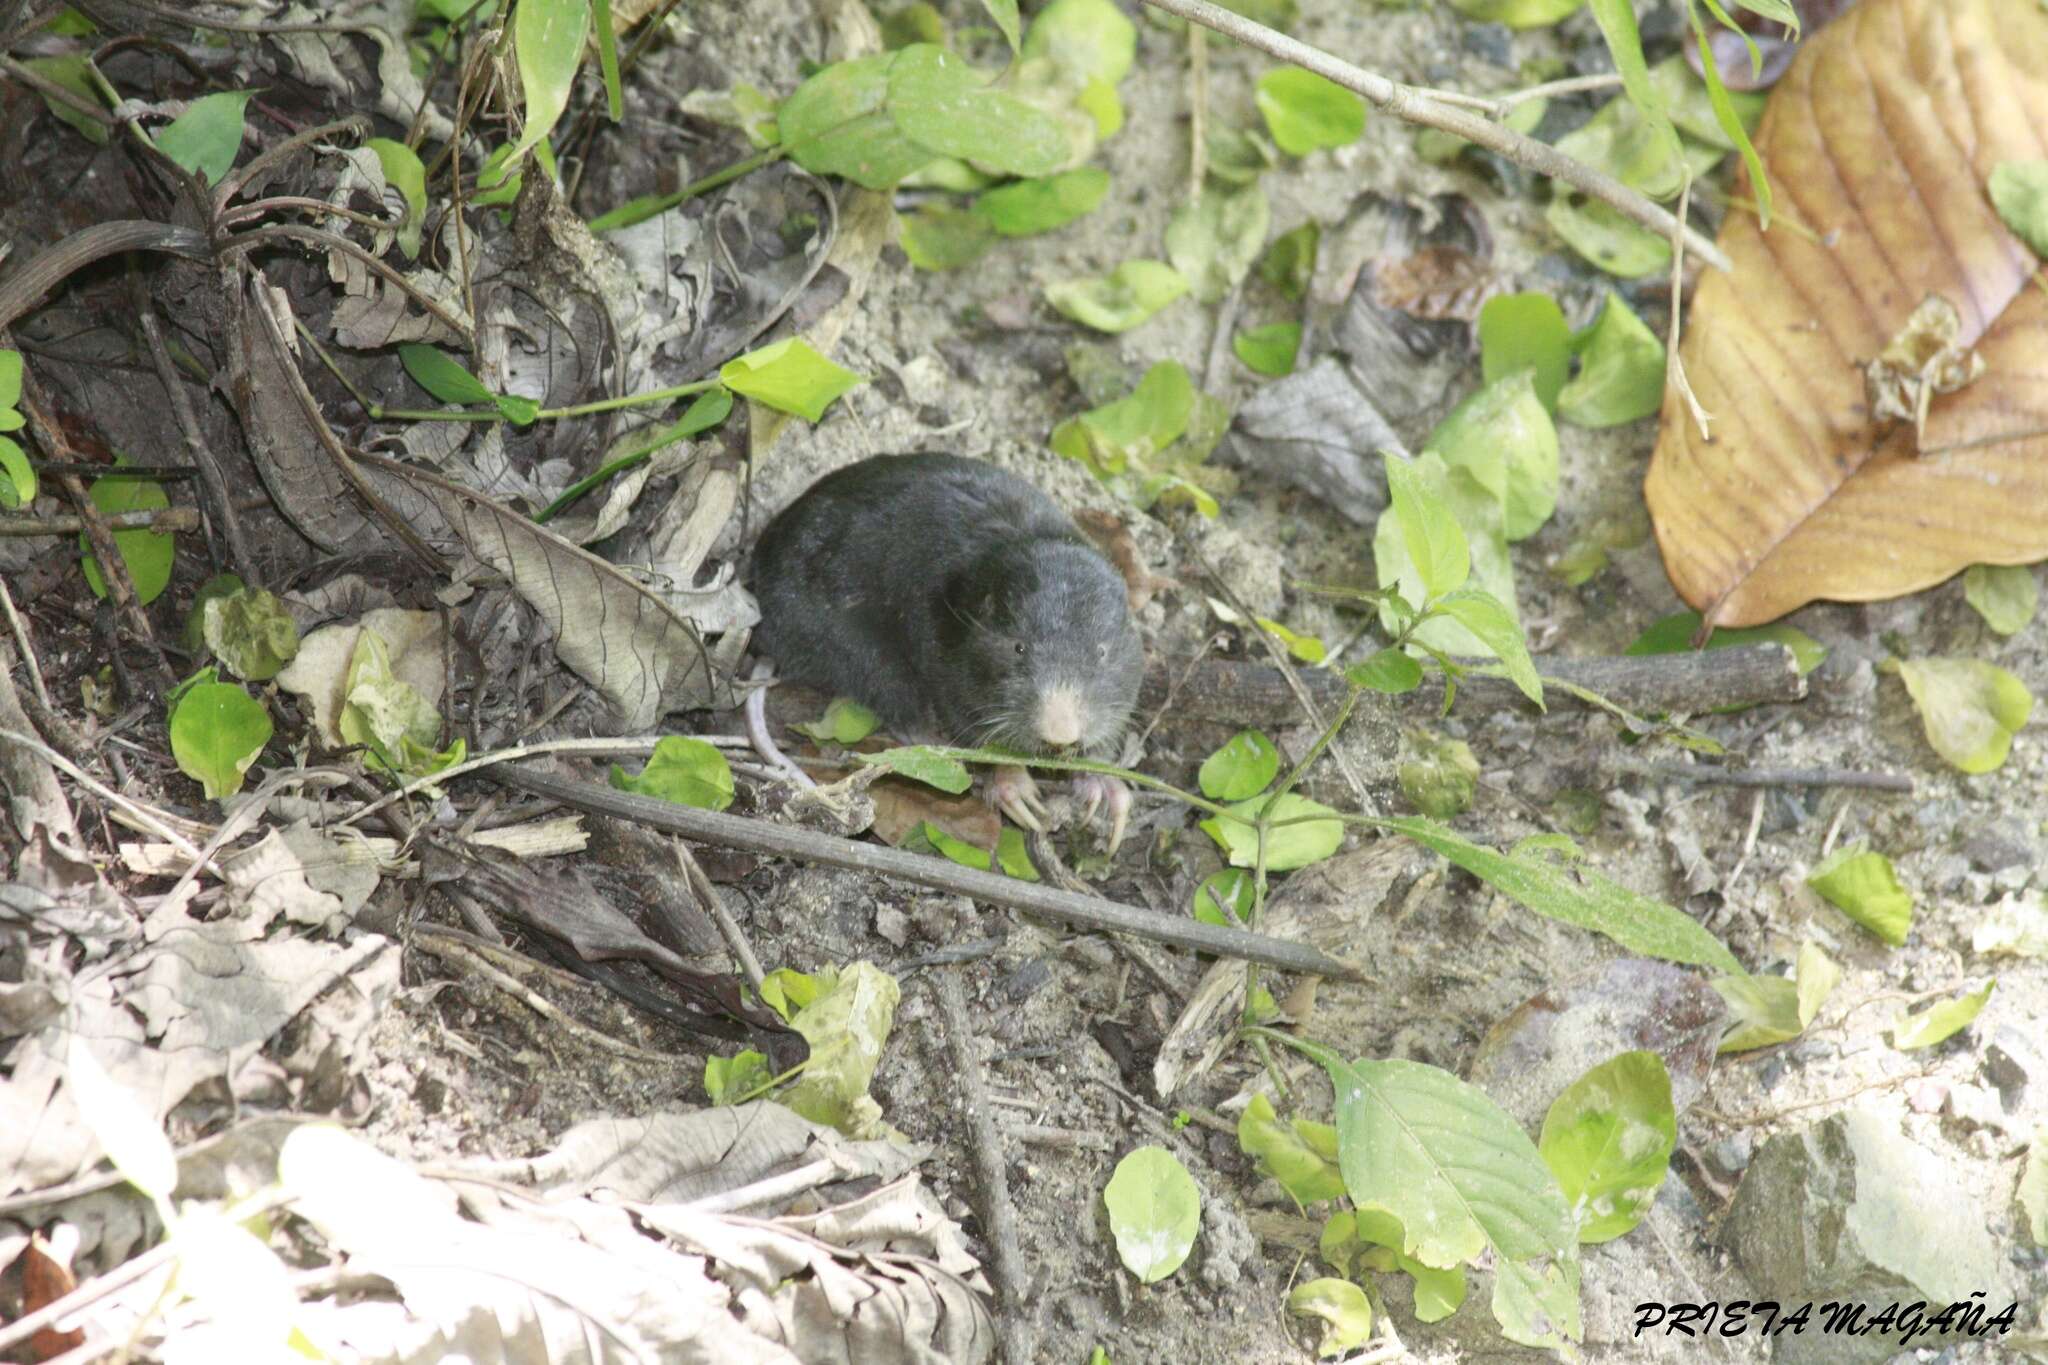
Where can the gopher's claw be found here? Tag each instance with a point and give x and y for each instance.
(1016, 796)
(1105, 793)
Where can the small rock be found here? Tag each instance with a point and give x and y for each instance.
(1998, 847)
(1731, 1154)
(1490, 43)
(1926, 1096)
(2009, 1063)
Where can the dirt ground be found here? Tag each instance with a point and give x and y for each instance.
(1069, 1023)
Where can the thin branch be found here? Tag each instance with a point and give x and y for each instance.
(1412, 104)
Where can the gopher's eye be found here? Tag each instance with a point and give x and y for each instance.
(1020, 649)
(1102, 652)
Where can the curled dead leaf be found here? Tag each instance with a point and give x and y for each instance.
(1880, 141)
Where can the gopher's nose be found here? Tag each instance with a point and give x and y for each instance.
(1061, 717)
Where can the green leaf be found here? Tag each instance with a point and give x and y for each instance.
(686, 771)
(205, 138)
(726, 1079)
(1861, 884)
(788, 376)
(1971, 709)
(248, 630)
(1621, 371)
(217, 732)
(836, 123)
(1435, 543)
(920, 763)
(441, 375)
(1227, 897)
(1816, 976)
(956, 850)
(1516, 13)
(1288, 846)
(404, 173)
(1608, 1138)
(1526, 332)
(847, 1026)
(1620, 246)
(915, 23)
(938, 236)
(1268, 350)
(1765, 1010)
(1941, 1021)
(1133, 428)
(10, 390)
(1033, 206)
(1344, 1309)
(520, 412)
(1676, 632)
(1440, 778)
(942, 104)
(1242, 768)
(1120, 300)
(1301, 1155)
(1214, 239)
(1305, 112)
(1004, 12)
(1496, 626)
(547, 40)
(1155, 1210)
(1238, 156)
(1307, 648)
(147, 555)
(1617, 20)
(381, 711)
(1504, 436)
(1290, 263)
(1013, 856)
(2019, 191)
(17, 476)
(1729, 116)
(1390, 671)
(69, 70)
(1576, 895)
(845, 722)
(1086, 39)
(2005, 595)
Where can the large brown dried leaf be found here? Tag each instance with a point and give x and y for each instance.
(1880, 141)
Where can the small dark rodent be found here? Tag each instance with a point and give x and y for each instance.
(944, 592)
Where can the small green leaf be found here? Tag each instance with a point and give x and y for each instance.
(1004, 12)
(1087, 39)
(217, 732)
(1290, 263)
(788, 376)
(1268, 350)
(1288, 846)
(1676, 632)
(1305, 112)
(1526, 332)
(1307, 648)
(205, 138)
(1033, 206)
(1617, 20)
(1941, 1021)
(248, 630)
(915, 23)
(1516, 13)
(687, 771)
(1503, 436)
(10, 390)
(943, 104)
(1242, 768)
(70, 70)
(2005, 595)
(1344, 1309)
(1391, 671)
(17, 476)
(1765, 1010)
(547, 40)
(940, 237)
(1239, 156)
(1816, 976)
(1608, 1138)
(920, 763)
(1301, 1155)
(383, 712)
(2019, 191)
(404, 173)
(1620, 246)
(726, 1079)
(1435, 543)
(1214, 239)
(845, 722)
(148, 555)
(1227, 897)
(443, 376)
(1861, 884)
(1013, 856)
(1440, 778)
(1485, 616)
(520, 412)
(1621, 371)
(1120, 300)
(957, 850)
(1971, 709)
(836, 123)
(1133, 428)
(1155, 1209)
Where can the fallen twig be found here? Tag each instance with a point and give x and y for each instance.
(991, 1168)
(1772, 777)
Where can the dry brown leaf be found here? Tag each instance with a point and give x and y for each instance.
(1879, 143)
(1437, 282)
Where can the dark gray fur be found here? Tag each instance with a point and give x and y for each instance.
(942, 591)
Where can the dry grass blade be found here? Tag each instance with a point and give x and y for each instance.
(1880, 140)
